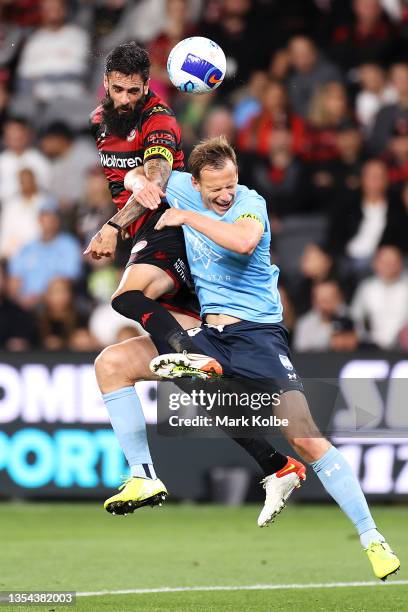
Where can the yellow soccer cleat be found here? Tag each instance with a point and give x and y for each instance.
(383, 559)
(135, 493)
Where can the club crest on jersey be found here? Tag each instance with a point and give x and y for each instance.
(285, 361)
(204, 253)
(131, 136)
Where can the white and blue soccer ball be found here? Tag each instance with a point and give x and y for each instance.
(196, 65)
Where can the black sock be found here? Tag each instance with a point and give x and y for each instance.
(166, 333)
(266, 456)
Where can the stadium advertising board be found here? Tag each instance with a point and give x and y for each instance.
(55, 435)
(56, 440)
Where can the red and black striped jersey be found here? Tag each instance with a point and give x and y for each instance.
(156, 134)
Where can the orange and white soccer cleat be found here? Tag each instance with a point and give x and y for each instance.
(278, 488)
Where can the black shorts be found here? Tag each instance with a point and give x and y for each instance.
(166, 250)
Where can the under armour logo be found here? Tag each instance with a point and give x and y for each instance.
(336, 466)
(292, 376)
(193, 331)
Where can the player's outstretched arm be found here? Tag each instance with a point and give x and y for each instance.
(240, 237)
(146, 185)
(103, 244)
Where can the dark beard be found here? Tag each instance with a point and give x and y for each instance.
(120, 124)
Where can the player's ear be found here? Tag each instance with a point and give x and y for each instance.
(146, 87)
(195, 184)
(105, 83)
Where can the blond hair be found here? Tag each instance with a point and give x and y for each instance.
(318, 114)
(212, 152)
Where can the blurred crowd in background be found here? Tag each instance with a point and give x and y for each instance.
(315, 101)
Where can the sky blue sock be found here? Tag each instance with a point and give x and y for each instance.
(339, 480)
(128, 422)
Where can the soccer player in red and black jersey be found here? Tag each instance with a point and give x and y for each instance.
(134, 130)
(139, 143)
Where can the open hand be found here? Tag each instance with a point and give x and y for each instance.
(103, 244)
(149, 196)
(170, 218)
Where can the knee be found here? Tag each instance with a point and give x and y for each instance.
(109, 366)
(310, 449)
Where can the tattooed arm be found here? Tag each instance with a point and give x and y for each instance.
(103, 244)
(146, 185)
(157, 170)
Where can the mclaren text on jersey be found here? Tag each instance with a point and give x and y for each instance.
(116, 160)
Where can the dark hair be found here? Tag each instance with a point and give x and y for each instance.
(21, 121)
(128, 58)
(213, 152)
(58, 128)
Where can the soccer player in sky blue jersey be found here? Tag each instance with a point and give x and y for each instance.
(227, 238)
(223, 278)
(227, 235)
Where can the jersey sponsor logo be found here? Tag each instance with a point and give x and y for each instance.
(114, 160)
(158, 151)
(285, 361)
(204, 253)
(166, 142)
(218, 278)
(181, 269)
(161, 138)
(138, 246)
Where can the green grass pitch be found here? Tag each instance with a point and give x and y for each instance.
(80, 547)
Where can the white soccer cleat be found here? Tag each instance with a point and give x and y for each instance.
(176, 365)
(278, 488)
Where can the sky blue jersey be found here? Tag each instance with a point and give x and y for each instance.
(243, 286)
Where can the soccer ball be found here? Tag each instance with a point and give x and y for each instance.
(196, 65)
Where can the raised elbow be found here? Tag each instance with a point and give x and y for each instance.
(248, 246)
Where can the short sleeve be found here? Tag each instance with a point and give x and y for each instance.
(161, 136)
(181, 194)
(251, 206)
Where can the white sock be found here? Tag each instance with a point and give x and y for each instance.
(143, 470)
(370, 536)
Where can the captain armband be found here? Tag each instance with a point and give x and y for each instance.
(158, 151)
(252, 216)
